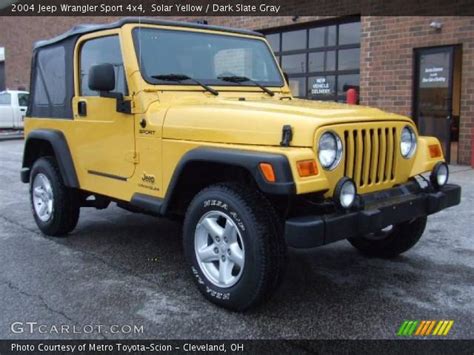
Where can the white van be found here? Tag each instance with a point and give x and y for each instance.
(13, 105)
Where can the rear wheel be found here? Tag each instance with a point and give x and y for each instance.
(392, 240)
(55, 207)
(234, 246)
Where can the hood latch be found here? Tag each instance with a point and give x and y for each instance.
(286, 135)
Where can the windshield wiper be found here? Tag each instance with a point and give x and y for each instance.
(241, 79)
(181, 77)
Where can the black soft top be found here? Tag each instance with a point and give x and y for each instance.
(81, 29)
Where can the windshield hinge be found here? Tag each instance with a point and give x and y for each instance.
(286, 136)
(124, 106)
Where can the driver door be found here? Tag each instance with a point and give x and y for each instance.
(105, 143)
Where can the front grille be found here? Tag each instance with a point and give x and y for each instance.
(370, 155)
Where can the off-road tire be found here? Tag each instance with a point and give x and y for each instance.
(402, 238)
(65, 213)
(262, 234)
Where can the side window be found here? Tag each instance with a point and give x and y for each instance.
(51, 86)
(5, 99)
(23, 99)
(50, 90)
(99, 51)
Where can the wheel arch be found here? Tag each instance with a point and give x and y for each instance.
(43, 142)
(240, 165)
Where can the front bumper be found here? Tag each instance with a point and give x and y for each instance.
(381, 209)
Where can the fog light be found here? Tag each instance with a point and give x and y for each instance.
(439, 176)
(345, 193)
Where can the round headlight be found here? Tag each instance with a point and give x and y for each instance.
(329, 150)
(440, 174)
(345, 193)
(407, 142)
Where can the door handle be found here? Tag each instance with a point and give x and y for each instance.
(82, 108)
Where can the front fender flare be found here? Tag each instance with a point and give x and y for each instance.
(249, 160)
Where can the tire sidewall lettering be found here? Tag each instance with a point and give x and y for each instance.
(211, 204)
(217, 293)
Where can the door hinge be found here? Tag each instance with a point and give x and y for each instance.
(132, 157)
(124, 106)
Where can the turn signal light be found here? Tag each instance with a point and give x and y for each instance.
(307, 168)
(435, 151)
(268, 172)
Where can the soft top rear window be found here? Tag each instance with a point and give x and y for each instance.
(52, 81)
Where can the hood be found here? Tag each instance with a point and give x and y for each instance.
(260, 122)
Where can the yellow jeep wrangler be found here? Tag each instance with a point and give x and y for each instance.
(182, 119)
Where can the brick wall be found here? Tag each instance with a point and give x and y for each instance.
(386, 73)
(17, 35)
(386, 54)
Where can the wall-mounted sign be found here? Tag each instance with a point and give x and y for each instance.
(434, 77)
(434, 71)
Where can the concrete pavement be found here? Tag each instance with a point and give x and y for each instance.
(120, 268)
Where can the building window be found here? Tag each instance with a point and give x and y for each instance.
(322, 61)
(294, 63)
(274, 40)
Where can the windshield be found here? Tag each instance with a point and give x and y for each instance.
(204, 57)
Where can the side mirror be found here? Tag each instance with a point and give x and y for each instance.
(285, 75)
(102, 77)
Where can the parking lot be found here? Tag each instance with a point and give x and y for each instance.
(120, 268)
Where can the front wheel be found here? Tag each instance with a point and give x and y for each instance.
(392, 240)
(55, 206)
(234, 246)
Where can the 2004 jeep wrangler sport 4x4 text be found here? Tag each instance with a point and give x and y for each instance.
(181, 119)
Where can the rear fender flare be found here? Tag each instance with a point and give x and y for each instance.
(60, 147)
